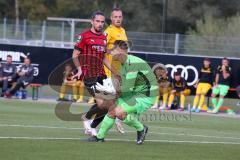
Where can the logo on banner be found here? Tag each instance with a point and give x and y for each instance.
(17, 58)
(185, 72)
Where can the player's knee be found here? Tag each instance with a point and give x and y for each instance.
(197, 95)
(183, 94)
(213, 95)
(122, 116)
(112, 114)
(119, 112)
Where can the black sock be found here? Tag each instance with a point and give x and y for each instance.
(99, 118)
(93, 110)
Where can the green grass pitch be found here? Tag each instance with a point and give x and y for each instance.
(30, 130)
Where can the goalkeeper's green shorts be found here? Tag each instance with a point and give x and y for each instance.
(221, 90)
(136, 104)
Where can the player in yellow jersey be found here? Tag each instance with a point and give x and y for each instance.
(203, 85)
(115, 32)
(164, 84)
(70, 81)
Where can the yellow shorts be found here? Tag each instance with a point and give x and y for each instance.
(163, 90)
(79, 84)
(203, 88)
(74, 84)
(186, 92)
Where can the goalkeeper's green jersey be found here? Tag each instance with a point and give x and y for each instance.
(137, 78)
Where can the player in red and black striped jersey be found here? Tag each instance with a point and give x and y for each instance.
(89, 57)
(92, 48)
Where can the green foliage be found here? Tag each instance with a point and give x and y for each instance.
(216, 36)
(7, 9)
(140, 15)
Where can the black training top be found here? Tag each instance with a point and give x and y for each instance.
(179, 85)
(222, 80)
(206, 75)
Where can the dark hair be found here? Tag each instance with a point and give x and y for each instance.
(27, 58)
(96, 13)
(206, 59)
(9, 56)
(225, 58)
(116, 9)
(121, 44)
(177, 73)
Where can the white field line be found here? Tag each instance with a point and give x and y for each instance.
(157, 133)
(178, 128)
(121, 140)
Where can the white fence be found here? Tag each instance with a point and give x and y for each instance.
(61, 35)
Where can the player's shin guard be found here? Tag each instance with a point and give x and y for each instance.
(107, 123)
(132, 121)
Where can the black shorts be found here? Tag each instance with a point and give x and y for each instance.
(91, 82)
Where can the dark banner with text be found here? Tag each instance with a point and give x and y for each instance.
(45, 60)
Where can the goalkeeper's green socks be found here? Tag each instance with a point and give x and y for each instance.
(214, 102)
(219, 104)
(132, 121)
(107, 123)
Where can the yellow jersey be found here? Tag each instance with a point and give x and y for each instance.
(113, 33)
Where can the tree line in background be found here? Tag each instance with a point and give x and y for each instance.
(199, 17)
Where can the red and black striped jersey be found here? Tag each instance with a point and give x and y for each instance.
(93, 48)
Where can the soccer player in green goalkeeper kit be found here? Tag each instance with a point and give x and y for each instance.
(138, 92)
